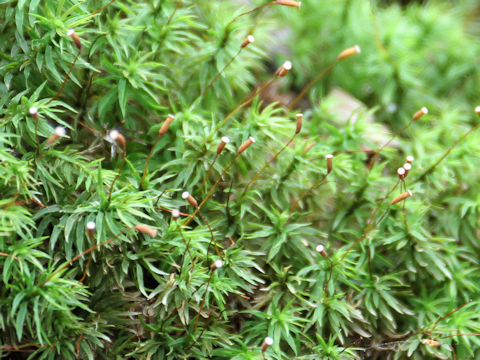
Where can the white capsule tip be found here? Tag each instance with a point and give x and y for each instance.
(410, 158)
(299, 115)
(70, 32)
(218, 264)
(91, 225)
(424, 110)
(114, 134)
(225, 139)
(185, 195)
(477, 110)
(320, 248)
(175, 213)
(60, 131)
(268, 340)
(34, 111)
(409, 192)
(329, 156)
(252, 139)
(287, 65)
(251, 38)
(401, 171)
(357, 49)
(407, 166)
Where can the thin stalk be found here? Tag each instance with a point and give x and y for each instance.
(313, 187)
(431, 168)
(65, 79)
(310, 84)
(244, 103)
(219, 73)
(404, 209)
(86, 269)
(124, 159)
(211, 190)
(267, 164)
(187, 245)
(377, 152)
(203, 300)
(83, 254)
(447, 315)
(8, 255)
(325, 286)
(370, 223)
(212, 239)
(145, 170)
(103, 8)
(36, 134)
(204, 182)
(247, 13)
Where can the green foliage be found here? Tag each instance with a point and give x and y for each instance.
(393, 280)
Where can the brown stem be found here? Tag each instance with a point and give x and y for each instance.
(145, 170)
(65, 80)
(197, 209)
(431, 168)
(8, 255)
(377, 152)
(313, 187)
(266, 165)
(203, 300)
(325, 286)
(86, 269)
(103, 8)
(212, 237)
(83, 254)
(447, 315)
(246, 13)
(124, 159)
(210, 84)
(245, 103)
(370, 224)
(187, 245)
(310, 84)
(208, 171)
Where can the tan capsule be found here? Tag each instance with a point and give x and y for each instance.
(420, 113)
(186, 196)
(329, 158)
(349, 52)
(175, 214)
(33, 111)
(217, 264)
(401, 173)
(246, 144)
(248, 40)
(75, 38)
(431, 342)
(402, 196)
(59, 132)
(409, 159)
(407, 167)
(119, 138)
(321, 249)
(166, 124)
(299, 123)
(267, 342)
(91, 226)
(290, 3)
(146, 230)
(223, 142)
(284, 69)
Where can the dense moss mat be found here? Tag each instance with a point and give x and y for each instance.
(165, 190)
